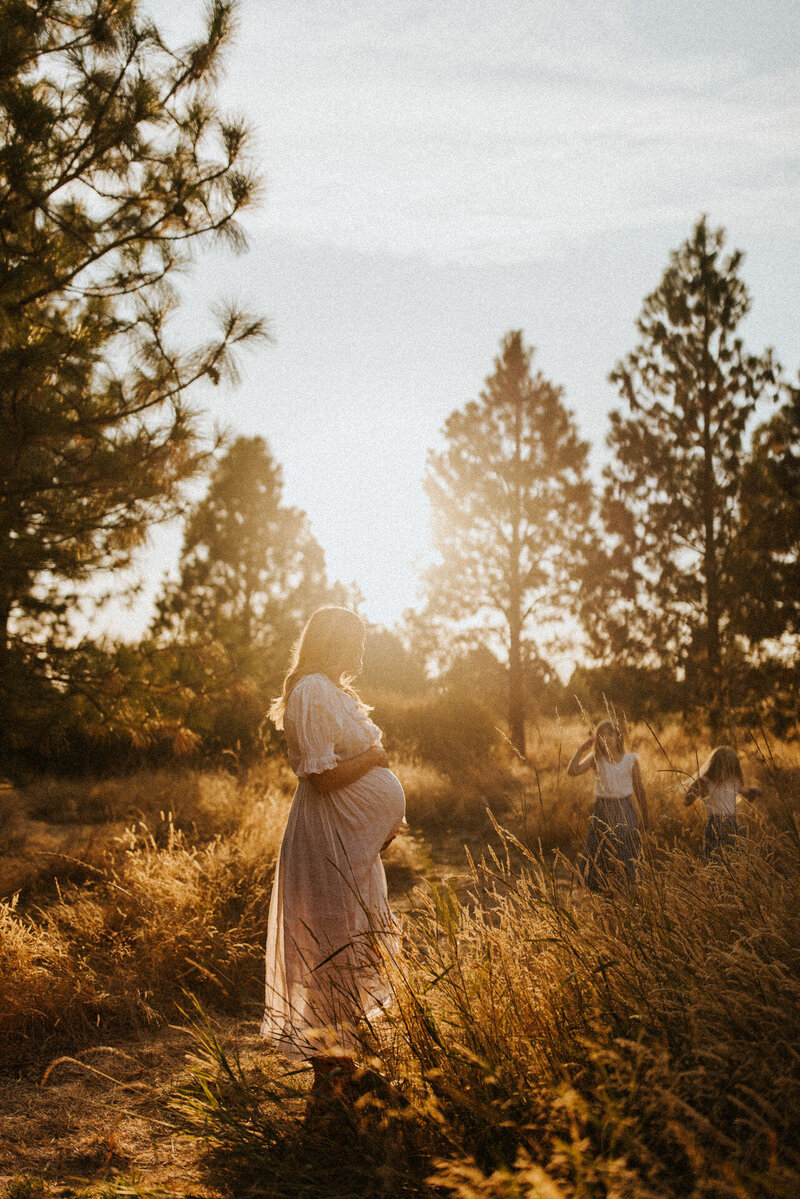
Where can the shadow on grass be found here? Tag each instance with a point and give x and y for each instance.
(255, 1142)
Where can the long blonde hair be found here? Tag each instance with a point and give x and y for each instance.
(327, 645)
(722, 764)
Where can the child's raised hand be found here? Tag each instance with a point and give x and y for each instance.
(581, 760)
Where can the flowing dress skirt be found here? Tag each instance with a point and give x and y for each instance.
(329, 920)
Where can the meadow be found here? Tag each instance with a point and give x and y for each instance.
(544, 1042)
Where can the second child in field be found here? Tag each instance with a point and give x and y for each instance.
(717, 783)
(620, 814)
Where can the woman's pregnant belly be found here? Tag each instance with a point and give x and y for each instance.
(371, 809)
(345, 828)
(389, 794)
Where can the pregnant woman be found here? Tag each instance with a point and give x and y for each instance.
(329, 918)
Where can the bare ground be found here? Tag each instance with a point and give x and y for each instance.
(103, 1114)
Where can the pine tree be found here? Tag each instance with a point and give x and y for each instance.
(769, 534)
(250, 571)
(665, 585)
(250, 574)
(114, 165)
(508, 496)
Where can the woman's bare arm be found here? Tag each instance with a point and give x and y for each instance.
(640, 793)
(578, 764)
(350, 770)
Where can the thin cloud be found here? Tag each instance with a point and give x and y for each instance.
(458, 133)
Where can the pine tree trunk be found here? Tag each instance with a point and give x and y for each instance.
(5, 616)
(713, 646)
(710, 556)
(516, 693)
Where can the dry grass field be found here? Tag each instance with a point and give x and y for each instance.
(544, 1043)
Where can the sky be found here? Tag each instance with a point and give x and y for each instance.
(439, 173)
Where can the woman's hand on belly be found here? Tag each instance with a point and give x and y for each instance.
(403, 825)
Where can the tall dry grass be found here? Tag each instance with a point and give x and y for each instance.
(643, 1042)
(164, 915)
(203, 803)
(546, 1042)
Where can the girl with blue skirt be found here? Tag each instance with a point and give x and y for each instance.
(614, 839)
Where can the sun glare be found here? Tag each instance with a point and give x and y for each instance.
(370, 516)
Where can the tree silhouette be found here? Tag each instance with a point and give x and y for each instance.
(508, 496)
(769, 536)
(664, 585)
(114, 164)
(251, 571)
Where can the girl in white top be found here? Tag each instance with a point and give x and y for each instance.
(717, 783)
(329, 919)
(613, 842)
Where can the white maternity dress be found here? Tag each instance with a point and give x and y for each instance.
(329, 917)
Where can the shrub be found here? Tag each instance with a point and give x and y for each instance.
(448, 729)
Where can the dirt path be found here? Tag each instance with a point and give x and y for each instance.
(103, 1114)
(98, 1115)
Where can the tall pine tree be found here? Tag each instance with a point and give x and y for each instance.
(250, 574)
(114, 165)
(251, 570)
(508, 497)
(664, 586)
(769, 537)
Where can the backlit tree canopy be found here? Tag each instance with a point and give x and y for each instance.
(114, 163)
(666, 582)
(250, 574)
(508, 497)
(770, 529)
(251, 571)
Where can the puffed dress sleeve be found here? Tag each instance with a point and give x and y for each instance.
(315, 712)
